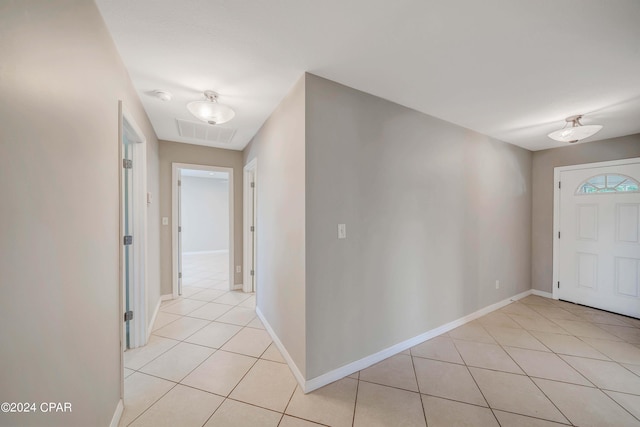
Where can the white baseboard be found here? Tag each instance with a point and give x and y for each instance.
(155, 314)
(237, 286)
(219, 251)
(276, 340)
(117, 415)
(542, 293)
(331, 376)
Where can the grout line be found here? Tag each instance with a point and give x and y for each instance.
(355, 404)
(415, 376)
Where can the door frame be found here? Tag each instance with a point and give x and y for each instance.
(138, 292)
(175, 173)
(556, 209)
(250, 208)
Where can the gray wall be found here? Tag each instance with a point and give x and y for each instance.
(205, 214)
(279, 147)
(176, 152)
(435, 214)
(61, 78)
(542, 216)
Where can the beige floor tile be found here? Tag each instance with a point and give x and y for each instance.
(128, 372)
(138, 357)
(585, 406)
(498, 319)
(490, 356)
(568, 344)
(220, 373)
(601, 317)
(181, 406)
(447, 380)
(585, 329)
(539, 324)
(140, 392)
(210, 311)
(628, 401)
(627, 333)
(249, 302)
(233, 297)
(332, 404)
(619, 351)
(518, 309)
(630, 321)
(214, 335)
(188, 291)
(438, 348)
(355, 375)
(633, 368)
(289, 421)
(238, 316)
(256, 323)
(606, 375)
(536, 300)
(514, 420)
(555, 313)
(167, 303)
(177, 362)
(272, 353)
(183, 306)
(163, 319)
(381, 406)
(181, 328)
(249, 341)
(238, 414)
(268, 385)
(207, 295)
(546, 365)
(472, 331)
(396, 371)
(515, 393)
(447, 413)
(516, 338)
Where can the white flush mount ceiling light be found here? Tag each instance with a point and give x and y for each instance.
(162, 95)
(209, 111)
(576, 132)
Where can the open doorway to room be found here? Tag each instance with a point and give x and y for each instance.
(203, 228)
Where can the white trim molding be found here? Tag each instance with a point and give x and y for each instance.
(336, 374)
(249, 216)
(115, 420)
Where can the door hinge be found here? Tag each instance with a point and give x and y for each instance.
(128, 240)
(253, 185)
(179, 183)
(127, 164)
(253, 228)
(128, 316)
(559, 184)
(558, 285)
(179, 275)
(558, 234)
(252, 272)
(179, 229)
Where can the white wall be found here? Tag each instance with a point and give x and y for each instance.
(435, 214)
(279, 147)
(205, 214)
(61, 78)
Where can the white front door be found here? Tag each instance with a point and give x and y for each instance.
(599, 237)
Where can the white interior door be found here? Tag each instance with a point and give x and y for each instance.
(599, 237)
(179, 232)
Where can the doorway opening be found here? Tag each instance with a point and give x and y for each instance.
(202, 228)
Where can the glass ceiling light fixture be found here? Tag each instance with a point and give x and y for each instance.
(576, 132)
(209, 111)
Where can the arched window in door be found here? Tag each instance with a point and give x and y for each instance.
(608, 183)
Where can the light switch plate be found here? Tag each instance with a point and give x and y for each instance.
(342, 231)
(165, 220)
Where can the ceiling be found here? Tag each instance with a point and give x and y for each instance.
(509, 69)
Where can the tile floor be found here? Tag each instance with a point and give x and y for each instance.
(208, 271)
(536, 362)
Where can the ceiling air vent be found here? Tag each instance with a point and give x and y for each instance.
(204, 132)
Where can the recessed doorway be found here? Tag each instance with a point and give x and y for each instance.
(202, 228)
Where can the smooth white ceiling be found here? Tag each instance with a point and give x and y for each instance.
(510, 69)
